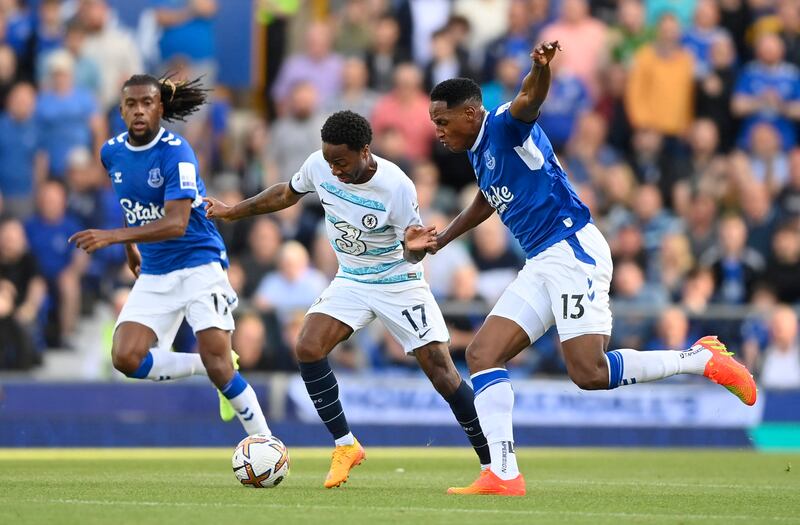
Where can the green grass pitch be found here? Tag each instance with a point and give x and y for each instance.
(583, 486)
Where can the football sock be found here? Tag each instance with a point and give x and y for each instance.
(494, 403)
(324, 393)
(162, 365)
(347, 439)
(628, 367)
(243, 399)
(462, 403)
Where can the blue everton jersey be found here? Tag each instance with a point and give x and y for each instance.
(144, 178)
(520, 176)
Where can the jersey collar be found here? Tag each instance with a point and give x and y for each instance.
(480, 133)
(148, 145)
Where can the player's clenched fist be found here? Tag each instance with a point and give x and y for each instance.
(420, 238)
(92, 240)
(544, 52)
(216, 209)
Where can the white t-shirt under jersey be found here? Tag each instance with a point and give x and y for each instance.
(366, 222)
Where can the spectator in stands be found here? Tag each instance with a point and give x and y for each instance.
(587, 38)
(701, 223)
(636, 299)
(406, 109)
(588, 155)
(769, 164)
(293, 286)
(703, 170)
(735, 266)
(681, 10)
(780, 368)
(789, 199)
(110, 46)
(445, 62)
(187, 38)
(317, 65)
(463, 327)
(384, 54)
(87, 72)
(356, 95)
(295, 135)
(568, 101)
(49, 29)
(653, 220)
(322, 254)
(67, 116)
(755, 327)
(61, 265)
(515, 43)
(628, 245)
(700, 37)
(672, 331)
(760, 216)
(659, 90)
(768, 90)
(675, 260)
(19, 141)
(783, 267)
(418, 19)
(250, 340)
(714, 90)
(616, 191)
(353, 27)
(261, 256)
(504, 85)
(486, 18)
(23, 292)
(630, 32)
(8, 73)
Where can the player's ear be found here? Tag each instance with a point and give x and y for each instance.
(470, 112)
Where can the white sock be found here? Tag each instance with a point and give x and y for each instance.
(628, 367)
(249, 412)
(345, 440)
(494, 403)
(174, 365)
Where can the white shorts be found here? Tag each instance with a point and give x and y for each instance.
(411, 315)
(201, 294)
(567, 284)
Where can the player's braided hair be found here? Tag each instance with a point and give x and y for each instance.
(456, 91)
(180, 98)
(346, 127)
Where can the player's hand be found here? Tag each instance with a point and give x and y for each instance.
(216, 209)
(544, 52)
(92, 240)
(420, 238)
(436, 245)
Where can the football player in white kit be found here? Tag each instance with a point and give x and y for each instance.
(372, 220)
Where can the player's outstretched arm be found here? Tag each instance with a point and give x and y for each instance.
(274, 198)
(477, 212)
(536, 84)
(171, 225)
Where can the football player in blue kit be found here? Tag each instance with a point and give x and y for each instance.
(176, 253)
(566, 278)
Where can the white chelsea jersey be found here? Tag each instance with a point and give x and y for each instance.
(365, 222)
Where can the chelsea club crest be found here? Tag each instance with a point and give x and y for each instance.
(487, 155)
(369, 221)
(154, 179)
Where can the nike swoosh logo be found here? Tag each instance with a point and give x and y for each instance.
(423, 334)
(324, 203)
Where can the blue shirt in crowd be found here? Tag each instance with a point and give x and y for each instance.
(18, 144)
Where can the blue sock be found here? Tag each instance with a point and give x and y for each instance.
(324, 393)
(235, 386)
(462, 403)
(144, 367)
(616, 367)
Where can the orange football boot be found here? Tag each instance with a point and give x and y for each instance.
(489, 484)
(726, 371)
(344, 458)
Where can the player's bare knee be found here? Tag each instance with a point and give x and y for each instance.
(307, 351)
(479, 357)
(127, 357)
(589, 378)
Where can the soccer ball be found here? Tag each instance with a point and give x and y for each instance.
(260, 461)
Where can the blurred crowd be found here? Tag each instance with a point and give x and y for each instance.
(677, 121)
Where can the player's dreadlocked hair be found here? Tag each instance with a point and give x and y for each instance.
(456, 91)
(180, 99)
(346, 127)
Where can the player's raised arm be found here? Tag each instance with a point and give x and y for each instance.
(477, 212)
(535, 85)
(274, 198)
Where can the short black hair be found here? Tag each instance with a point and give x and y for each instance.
(180, 98)
(456, 91)
(346, 127)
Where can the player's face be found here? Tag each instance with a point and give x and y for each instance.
(141, 110)
(346, 165)
(457, 127)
